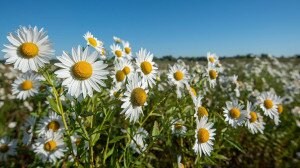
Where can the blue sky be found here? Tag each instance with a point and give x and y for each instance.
(179, 28)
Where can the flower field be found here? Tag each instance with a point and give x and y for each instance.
(102, 105)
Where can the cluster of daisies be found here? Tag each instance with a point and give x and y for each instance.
(44, 137)
(235, 113)
(85, 70)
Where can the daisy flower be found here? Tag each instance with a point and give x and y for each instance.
(192, 92)
(81, 72)
(204, 135)
(219, 67)
(26, 85)
(212, 74)
(138, 141)
(146, 67)
(126, 66)
(103, 54)
(200, 111)
(28, 130)
(234, 114)
(114, 92)
(93, 41)
(254, 120)
(178, 129)
(278, 101)
(76, 141)
(117, 39)
(50, 147)
(7, 148)
(127, 49)
(134, 99)
(267, 103)
(52, 122)
(29, 49)
(212, 58)
(118, 77)
(178, 75)
(117, 51)
(180, 165)
(123, 70)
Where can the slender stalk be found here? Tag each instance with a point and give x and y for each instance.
(106, 146)
(91, 153)
(60, 110)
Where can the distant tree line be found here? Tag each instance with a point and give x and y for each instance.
(203, 58)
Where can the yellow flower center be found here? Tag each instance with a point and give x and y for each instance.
(280, 108)
(120, 76)
(211, 59)
(202, 111)
(213, 74)
(4, 148)
(27, 85)
(118, 53)
(103, 52)
(253, 116)
(235, 113)
(92, 41)
(178, 75)
(77, 141)
(203, 135)
(117, 94)
(53, 125)
(268, 104)
(178, 125)
(146, 67)
(127, 50)
(138, 97)
(82, 70)
(50, 146)
(193, 91)
(29, 50)
(126, 70)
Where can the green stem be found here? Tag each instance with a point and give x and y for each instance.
(91, 153)
(106, 146)
(60, 111)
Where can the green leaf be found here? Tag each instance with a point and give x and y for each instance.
(221, 157)
(155, 130)
(210, 161)
(155, 114)
(53, 105)
(149, 165)
(190, 133)
(110, 152)
(99, 129)
(95, 138)
(151, 156)
(117, 138)
(157, 148)
(235, 144)
(186, 109)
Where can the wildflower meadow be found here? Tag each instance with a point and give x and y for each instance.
(114, 105)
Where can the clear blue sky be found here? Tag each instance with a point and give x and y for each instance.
(180, 28)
